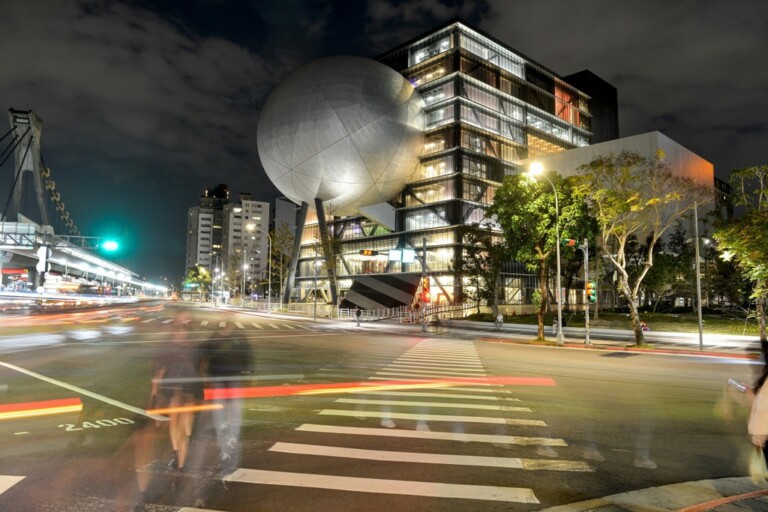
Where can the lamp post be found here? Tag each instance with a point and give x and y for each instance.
(698, 274)
(214, 277)
(537, 169)
(246, 227)
(269, 269)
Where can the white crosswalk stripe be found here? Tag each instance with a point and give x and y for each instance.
(239, 325)
(444, 405)
(384, 486)
(7, 481)
(441, 436)
(434, 417)
(432, 458)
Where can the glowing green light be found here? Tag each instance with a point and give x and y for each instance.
(109, 245)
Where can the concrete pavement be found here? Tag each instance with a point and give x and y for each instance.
(736, 494)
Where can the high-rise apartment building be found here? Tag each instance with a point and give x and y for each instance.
(246, 242)
(488, 107)
(204, 227)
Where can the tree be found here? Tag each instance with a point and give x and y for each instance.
(282, 249)
(484, 256)
(635, 196)
(525, 210)
(745, 239)
(198, 278)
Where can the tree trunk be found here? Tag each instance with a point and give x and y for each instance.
(543, 303)
(760, 313)
(634, 316)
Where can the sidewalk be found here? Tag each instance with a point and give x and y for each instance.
(722, 495)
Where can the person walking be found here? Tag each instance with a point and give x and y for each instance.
(358, 314)
(499, 321)
(758, 414)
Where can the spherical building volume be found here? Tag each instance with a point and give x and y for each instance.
(347, 130)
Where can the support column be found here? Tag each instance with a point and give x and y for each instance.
(291, 277)
(325, 239)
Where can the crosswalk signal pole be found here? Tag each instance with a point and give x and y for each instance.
(585, 249)
(423, 275)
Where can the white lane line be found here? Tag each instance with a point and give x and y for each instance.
(7, 481)
(442, 365)
(448, 354)
(222, 324)
(433, 417)
(289, 327)
(82, 391)
(239, 325)
(478, 390)
(432, 435)
(204, 323)
(416, 375)
(382, 486)
(427, 394)
(258, 326)
(464, 373)
(445, 405)
(148, 320)
(432, 458)
(167, 321)
(273, 326)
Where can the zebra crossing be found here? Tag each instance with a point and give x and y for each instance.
(259, 326)
(413, 414)
(429, 424)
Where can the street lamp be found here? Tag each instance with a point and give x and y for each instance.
(246, 227)
(269, 267)
(214, 277)
(538, 170)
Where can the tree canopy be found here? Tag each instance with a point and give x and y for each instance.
(635, 197)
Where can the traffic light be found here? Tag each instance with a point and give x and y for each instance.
(43, 257)
(425, 295)
(368, 252)
(110, 245)
(569, 242)
(591, 292)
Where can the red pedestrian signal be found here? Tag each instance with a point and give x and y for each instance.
(425, 295)
(368, 252)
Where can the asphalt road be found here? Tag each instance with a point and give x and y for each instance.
(344, 418)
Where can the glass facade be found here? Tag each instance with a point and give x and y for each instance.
(487, 109)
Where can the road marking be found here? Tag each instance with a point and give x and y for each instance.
(427, 394)
(382, 486)
(433, 417)
(239, 325)
(273, 326)
(479, 390)
(432, 404)
(222, 324)
(432, 458)
(400, 362)
(204, 323)
(258, 326)
(465, 373)
(7, 481)
(413, 375)
(85, 392)
(432, 435)
(439, 360)
(167, 321)
(148, 320)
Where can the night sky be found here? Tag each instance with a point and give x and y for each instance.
(147, 103)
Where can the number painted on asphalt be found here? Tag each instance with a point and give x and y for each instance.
(114, 422)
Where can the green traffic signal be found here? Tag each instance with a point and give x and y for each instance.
(110, 245)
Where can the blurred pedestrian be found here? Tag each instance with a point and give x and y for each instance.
(173, 388)
(227, 362)
(499, 320)
(358, 314)
(758, 415)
